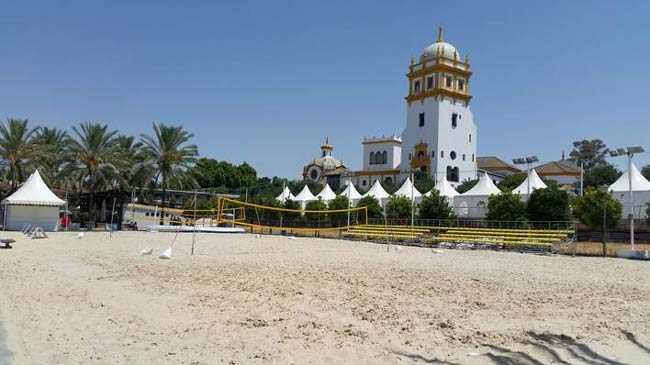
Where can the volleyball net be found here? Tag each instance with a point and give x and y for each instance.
(261, 217)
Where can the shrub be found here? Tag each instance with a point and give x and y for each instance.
(340, 202)
(590, 208)
(374, 208)
(506, 207)
(550, 204)
(399, 207)
(435, 206)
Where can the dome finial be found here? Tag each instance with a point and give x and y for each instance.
(440, 34)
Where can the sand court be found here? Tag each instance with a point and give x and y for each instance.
(242, 299)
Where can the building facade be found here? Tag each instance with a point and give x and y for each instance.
(440, 135)
(325, 169)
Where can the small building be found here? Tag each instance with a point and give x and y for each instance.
(496, 166)
(325, 169)
(381, 161)
(33, 203)
(564, 172)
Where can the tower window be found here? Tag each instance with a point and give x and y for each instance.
(421, 122)
(433, 153)
(410, 157)
(452, 174)
(463, 157)
(442, 154)
(372, 158)
(416, 86)
(470, 138)
(363, 182)
(454, 120)
(429, 82)
(448, 81)
(420, 155)
(461, 85)
(384, 157)
(452, 155)
(472, 157)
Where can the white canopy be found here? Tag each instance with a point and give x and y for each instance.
(351, 193)
(444, 188)
(639, 182)
(285, 195)
(305, 195)
(34, 192)
(484, 187)
(377, 191)
(326, 194)
(407, 189)
(535, 183)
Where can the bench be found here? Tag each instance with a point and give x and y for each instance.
(7, 242)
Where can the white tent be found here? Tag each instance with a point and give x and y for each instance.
(326, 194)
(445, 189)
(535, 183)
(473, 203)
(304, 196)
(377, 191)
(285, 195)
(408, 190)
(33, 203)
(351, 193)
(640, 192)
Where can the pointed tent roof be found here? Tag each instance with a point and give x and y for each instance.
(351, 192)
(34, 192)
(326, 194)
(407, 189)
(285, 195)
(305, 195)
(377, 191)
(535, 183)
(484, 187)
(444, 188)
(639, 182)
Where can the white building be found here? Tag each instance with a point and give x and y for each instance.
(440, 134)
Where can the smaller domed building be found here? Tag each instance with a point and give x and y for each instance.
(325, 169)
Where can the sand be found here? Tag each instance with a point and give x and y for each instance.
(243, 300)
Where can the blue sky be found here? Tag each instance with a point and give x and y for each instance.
(266, 81)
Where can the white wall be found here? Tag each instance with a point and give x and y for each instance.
(393, 155)
(17, 216)
(439, 135)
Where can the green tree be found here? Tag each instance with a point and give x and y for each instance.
(550, 204)
(423, 182)
(340, 202)
(466, 186)
(374, 208)
(291, 216)
(16, 148)
(52, 155)
(398, 207)
(590, 152)
(435, 206)
(601, 175)
(94, 151)
(590, 208)
(389, 186)
(511, 182)
(316, 205)
(167, 155)
(506, 207)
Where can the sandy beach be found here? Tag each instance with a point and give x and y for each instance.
(242, 300)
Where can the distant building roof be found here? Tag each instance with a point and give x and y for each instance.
(495, 164)
(558, 168)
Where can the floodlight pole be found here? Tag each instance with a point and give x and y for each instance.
(629, 180)
(349, 201)
(412, 201)
(582, 177)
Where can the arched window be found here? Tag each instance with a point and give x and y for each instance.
(452, 174)
(384, 157)
(372, 158)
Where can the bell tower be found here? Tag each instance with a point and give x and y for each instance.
(439, 121)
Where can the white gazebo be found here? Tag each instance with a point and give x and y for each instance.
(304, 196)
(326, 194)
(532, 182)
(408, 190)
(473, 203)
(445, 189)
(285, 195)
(640, 192)
(351, 193)
(378, 192)
(33, 203)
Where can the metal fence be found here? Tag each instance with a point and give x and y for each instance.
(477, 223)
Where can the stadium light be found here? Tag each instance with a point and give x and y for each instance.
(629, 152)
(527, 161)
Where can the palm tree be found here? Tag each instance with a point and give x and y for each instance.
(95, 154)
(167, 155)
(52, 157)
(131, 155)
(16, 148)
